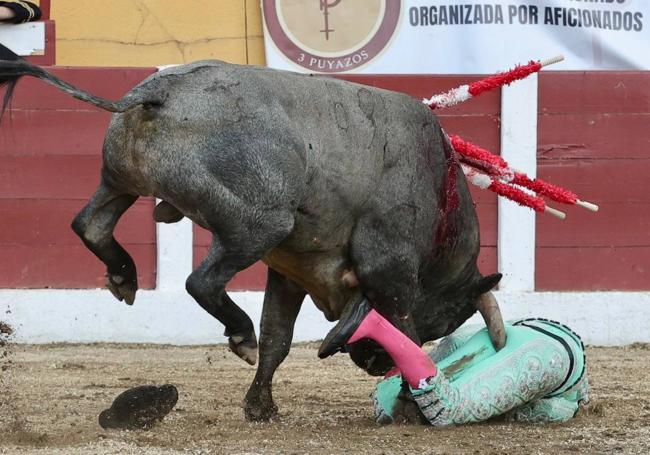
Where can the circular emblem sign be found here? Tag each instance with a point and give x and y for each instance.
(331, 36)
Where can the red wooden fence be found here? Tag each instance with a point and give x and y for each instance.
(50, 158)
(594, 137)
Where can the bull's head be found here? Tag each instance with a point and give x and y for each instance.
(437, 314)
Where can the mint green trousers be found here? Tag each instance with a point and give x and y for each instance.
(539, 376)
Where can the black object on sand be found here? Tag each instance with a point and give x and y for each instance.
(139, 407)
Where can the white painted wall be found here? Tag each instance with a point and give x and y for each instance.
(24, 39)
(174, 254)
(158, 316)
(516, 234)
(172, 317)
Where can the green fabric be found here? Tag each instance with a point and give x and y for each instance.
(545, 410)
(453, 341)
(475, 382)
(385, 396)
(573, 342)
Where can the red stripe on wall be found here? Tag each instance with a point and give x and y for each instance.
(35, 237)
(483, 130)
(594, 92)
(49, 177)
(47, 222)
(110, 83)
(614, 225)
(49, 56)
(44, 6)
(487, 218)
(480, 196)
(592, 268)
(615, 180)
(69, 132)
(487, 260)
(66, 266)
(593, 136)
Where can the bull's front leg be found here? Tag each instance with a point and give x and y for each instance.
(282, 302)
(95, 225)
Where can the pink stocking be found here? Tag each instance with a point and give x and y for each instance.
(414, 364)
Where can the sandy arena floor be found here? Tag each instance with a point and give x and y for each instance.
(51, 397)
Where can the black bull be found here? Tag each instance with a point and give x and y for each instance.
(343, 190)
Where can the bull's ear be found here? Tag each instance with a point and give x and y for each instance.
(487, 283)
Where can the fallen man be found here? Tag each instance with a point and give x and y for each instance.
(538, 376)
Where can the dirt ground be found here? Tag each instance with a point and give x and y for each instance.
(51, 397)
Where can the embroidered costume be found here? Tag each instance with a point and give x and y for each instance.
(539, 376)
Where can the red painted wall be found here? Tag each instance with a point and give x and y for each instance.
(50, 158)
(594, 138)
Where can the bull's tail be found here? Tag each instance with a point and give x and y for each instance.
(13, 67)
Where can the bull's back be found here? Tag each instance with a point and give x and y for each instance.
(343, 128)
(355, 148)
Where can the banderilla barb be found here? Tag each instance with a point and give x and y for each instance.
(465, 92)
(489, 171)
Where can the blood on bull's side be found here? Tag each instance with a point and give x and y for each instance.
(268, 161)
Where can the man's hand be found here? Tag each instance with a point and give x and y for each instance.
(6, 13)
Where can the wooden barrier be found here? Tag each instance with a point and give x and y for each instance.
(50, 158)
(593, 138)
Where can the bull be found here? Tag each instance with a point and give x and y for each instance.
(346, 192)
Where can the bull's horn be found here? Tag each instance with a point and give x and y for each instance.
(489, 308)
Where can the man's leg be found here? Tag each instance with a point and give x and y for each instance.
(528, 368)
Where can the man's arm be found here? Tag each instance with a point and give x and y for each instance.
(19, 11)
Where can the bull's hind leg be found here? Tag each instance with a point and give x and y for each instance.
(95, 224)
(247, 243)
(282, 302)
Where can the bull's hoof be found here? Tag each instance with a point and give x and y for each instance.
(122, 288)
(166, 213)
(257, 411)
(245, 346)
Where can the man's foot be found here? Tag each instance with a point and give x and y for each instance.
(350, 320)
